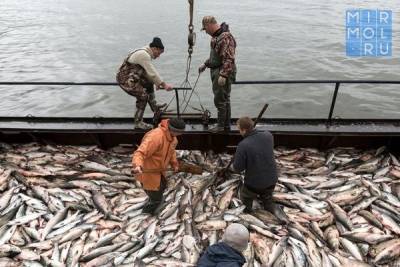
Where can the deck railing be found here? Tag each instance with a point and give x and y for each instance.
(337, 84)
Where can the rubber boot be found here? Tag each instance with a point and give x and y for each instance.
(248, 202)
(222, 118)
(153, 103)
(139, 123)
(247, 197)
(277, 211)
(150, 208)
(216, 129)
(227, 124)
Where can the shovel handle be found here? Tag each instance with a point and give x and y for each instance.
(261, 114)
(156, 170)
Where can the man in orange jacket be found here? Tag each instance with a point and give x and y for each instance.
(156, 153)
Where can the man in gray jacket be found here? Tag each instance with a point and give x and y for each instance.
(137, 76)
(255, 156)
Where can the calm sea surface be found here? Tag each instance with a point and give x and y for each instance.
(86, 41)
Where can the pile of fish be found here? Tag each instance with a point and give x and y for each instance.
(80, 206)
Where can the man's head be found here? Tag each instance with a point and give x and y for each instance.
(157, 47)
(236, 236)
(176, 126)
(210, 25)
(245, 125)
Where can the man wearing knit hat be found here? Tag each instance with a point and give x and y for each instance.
(155, 153)
(228, 252)
(222, 67)
(137, 76)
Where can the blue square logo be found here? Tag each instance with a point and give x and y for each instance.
(353, 33)
(384, 49)
(353, 49)
(368, 49)
(368, 17)
(384, 18)
(368, 32)
(353, 17)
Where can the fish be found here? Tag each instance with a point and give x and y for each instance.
(331, 235)
(79, 206)
(7, 250)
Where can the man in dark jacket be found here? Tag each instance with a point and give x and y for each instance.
(228, 252)
(255, 156)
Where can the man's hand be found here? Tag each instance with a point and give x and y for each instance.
(221, 81)
(202, 68)
(176, 169)
(166, 86)
(137, 170)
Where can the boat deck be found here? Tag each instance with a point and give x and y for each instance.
(289, 132)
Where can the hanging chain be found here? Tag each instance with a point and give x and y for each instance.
(191, 38)
(192, 35)
(191, 43)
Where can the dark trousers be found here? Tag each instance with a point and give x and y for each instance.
(155, 197)
(247, 195)
(222, 101)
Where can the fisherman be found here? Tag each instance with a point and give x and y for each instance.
(223, 69)
(155, 153)
(255, 156)
(228, 252)
(137, 76)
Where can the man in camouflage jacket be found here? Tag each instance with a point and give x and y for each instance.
(222, 67)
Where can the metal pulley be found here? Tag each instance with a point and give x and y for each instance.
(191, 40)
(192, 34)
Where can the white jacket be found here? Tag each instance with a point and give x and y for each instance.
(143, 57)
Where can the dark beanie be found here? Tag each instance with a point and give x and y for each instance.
(157, 43)
(176, 125)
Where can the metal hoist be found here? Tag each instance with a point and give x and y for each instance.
(187, 89)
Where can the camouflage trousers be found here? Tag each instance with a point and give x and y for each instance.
(131, 78)
(147, 96)
(144, 96)
(247, 195)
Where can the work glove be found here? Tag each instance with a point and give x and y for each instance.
(221, 81)
(202, 68)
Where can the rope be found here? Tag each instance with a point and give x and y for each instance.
(191, 94)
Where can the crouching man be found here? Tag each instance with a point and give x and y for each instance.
(255, 156)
